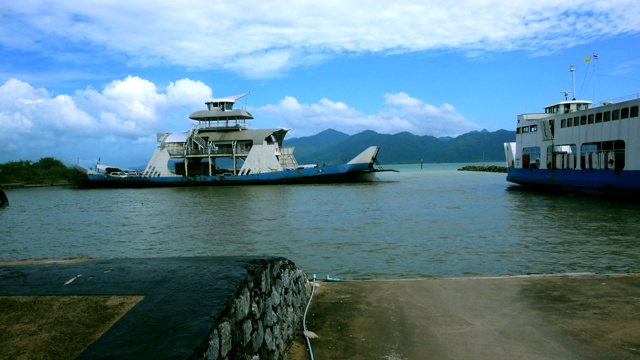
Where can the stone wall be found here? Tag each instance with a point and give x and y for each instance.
(264, 315)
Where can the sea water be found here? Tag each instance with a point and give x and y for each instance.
(433, 221)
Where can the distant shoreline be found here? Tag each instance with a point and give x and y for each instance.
(485, 168)
(17, 185)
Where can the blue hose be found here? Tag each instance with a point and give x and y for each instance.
(304, 318)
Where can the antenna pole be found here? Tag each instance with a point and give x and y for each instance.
(573, 80)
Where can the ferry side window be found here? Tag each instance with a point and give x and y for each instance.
(615, 115)
(634, 111)
(576, 121)
(598, 117)
(624, 113)
(563, 123)
(590, 117)
(607, 116)
(583, 120)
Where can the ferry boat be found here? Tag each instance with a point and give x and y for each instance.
(222, 149)
(579, 148)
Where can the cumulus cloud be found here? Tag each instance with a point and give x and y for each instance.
(133, 110)
(263, 38)
(128, 110)
(188, 92)
(402, 113)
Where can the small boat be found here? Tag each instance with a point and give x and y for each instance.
(222, 149)
(579, 148)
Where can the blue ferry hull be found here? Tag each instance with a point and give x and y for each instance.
(319, 175)
(592, 182)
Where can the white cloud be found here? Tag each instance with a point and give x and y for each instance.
(261, 39)
(128, 110)
(403, 113)
(188, 92)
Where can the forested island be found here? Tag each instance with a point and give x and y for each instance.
(44, 172)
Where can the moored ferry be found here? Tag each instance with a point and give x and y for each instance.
(222, 149)
(579, 148)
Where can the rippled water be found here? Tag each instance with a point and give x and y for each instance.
(418, 223)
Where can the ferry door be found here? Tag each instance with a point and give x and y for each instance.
(571, 161)
(559, 161)
(596, 160)
(609, 160)
(526, 160)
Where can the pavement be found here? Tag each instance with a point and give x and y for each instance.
(154, 308)
(576, 316)
(160, 308)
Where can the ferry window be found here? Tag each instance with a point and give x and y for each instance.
(517, 130)
(552, 109)
(534, 128)
(590, 119)
(607, 116)
(563, 123)
(598, 117)
(531, 157)
(634, 111)
(604, 155)
(624, 114)
(576, 121)
(615, 115)
(525, 129)
(569, 122)
(561, 156)
(583, 120)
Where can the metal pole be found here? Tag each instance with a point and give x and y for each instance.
(573, 80)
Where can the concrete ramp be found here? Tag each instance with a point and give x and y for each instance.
(197, 307)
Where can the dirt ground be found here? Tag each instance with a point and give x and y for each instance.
(56, 327)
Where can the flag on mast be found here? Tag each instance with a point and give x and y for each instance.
(595, 56)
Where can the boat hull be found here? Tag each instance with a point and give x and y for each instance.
(596, 182)
(326, 174)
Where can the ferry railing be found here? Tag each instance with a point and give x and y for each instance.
(621, 99)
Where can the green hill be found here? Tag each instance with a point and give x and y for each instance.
(333, 147)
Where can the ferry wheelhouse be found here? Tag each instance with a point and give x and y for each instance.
(576, 147)
(222, 149)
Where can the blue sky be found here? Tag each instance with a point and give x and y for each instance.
(98, 79)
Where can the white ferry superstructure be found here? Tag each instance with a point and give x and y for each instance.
(574, 147)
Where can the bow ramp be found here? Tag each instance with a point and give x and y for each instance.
(367, 156)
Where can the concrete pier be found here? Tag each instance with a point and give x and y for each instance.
(156, 308)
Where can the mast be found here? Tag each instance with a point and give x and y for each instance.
(573, 80)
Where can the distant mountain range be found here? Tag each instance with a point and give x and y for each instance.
(334, 147)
